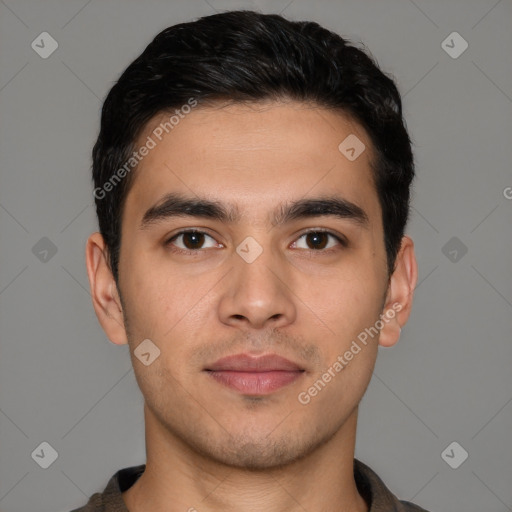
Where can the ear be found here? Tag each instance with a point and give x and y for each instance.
(104, 293)
(400, 293)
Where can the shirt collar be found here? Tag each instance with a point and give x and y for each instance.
(377, 496)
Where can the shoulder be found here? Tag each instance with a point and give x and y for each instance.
(378, 497)
(411, 507)
(95, 504)
(111, 500)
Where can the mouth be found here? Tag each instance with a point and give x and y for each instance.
(254, 376)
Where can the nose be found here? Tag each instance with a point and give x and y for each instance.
(258, 294)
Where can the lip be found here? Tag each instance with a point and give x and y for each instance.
(248, 363)
(252, 375)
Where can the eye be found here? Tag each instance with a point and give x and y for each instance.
(318, 240)
(190, 241)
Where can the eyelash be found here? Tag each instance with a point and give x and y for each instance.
(196, 252)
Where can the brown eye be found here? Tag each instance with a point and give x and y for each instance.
(190, 241)
(317, 240)
(193, 240)
(320, 241)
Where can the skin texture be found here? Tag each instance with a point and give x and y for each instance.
(210, 447)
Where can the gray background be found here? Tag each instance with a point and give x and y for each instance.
(449, 378)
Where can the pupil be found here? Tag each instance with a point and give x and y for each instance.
(195, 237)
(316, 237)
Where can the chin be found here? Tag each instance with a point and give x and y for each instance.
(244, 452)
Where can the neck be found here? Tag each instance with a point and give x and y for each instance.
(178, 478)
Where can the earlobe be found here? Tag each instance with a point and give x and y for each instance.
(105, 297)
(400, 294)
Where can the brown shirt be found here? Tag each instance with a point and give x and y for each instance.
(378, 497)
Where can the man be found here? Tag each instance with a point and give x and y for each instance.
(252, 180)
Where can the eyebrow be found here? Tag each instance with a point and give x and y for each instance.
(177, 205)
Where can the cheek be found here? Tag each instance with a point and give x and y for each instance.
(346, 301)
(166, 306)
(148, 298)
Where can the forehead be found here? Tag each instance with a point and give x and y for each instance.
(254, 156)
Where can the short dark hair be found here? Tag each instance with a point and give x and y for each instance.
(246, 56)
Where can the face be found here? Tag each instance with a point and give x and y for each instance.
(263, 279)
